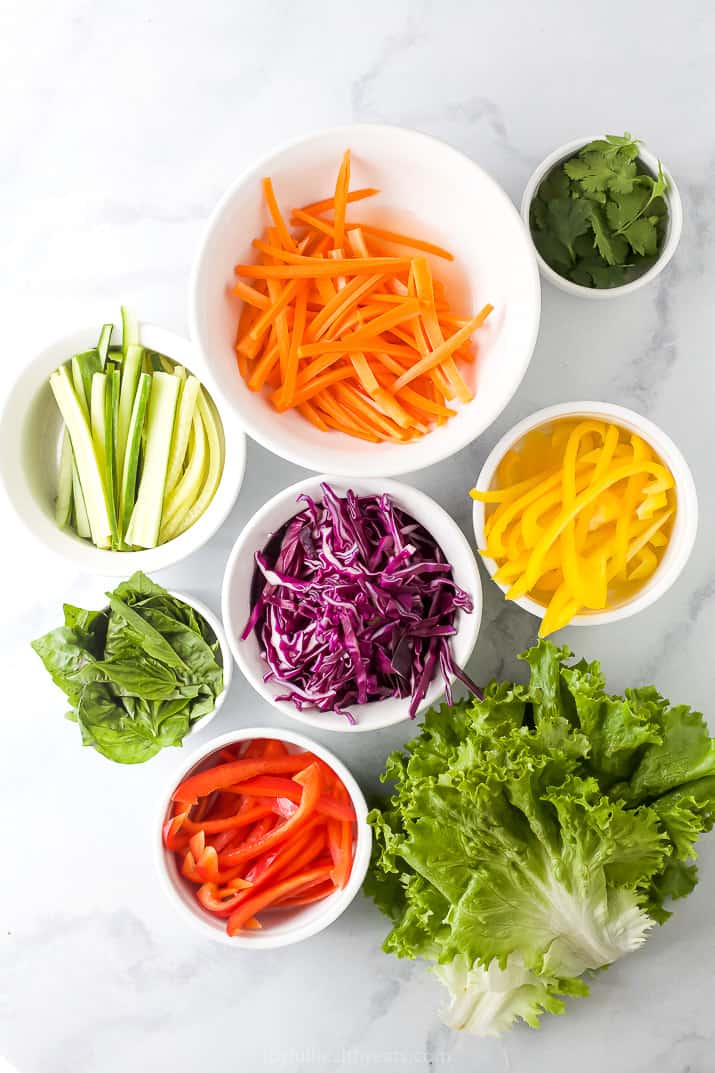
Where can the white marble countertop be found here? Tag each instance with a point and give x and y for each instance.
(121, 125)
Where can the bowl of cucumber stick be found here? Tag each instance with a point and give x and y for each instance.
(115, 451)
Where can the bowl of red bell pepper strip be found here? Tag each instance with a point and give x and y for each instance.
(263, 840)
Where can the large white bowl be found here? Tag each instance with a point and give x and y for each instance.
(280, 927)
(684, 529)
(30, 429)
(672, 234)
(425, 186)
(236, 596)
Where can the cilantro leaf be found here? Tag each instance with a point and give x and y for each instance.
(642, 236)
(568, 218)
(556, 184)
(612, 247)
(552, 249)
(592, 170)
(623, 209)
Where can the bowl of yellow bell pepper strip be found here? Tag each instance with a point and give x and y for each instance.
(584, 513)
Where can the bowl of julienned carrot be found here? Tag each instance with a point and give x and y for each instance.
(367, 295)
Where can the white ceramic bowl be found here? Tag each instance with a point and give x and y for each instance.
(685, 526)
(672, 235)
(30, 430)
(437, 191)
(280, 927)
(236, 603)
(226, 657)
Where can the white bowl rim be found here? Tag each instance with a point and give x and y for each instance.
(83, 554)
(464, 641)
(675, 211)
(273, 443)
(686, 522)
(226, 656)
(335, 904)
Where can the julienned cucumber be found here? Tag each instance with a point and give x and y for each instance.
(105, 338)
(63, 507)
(133, 361)
(111, 405)
(88, 469)
(81, 521)
(127, 486)
(177, 503)
(145, 522)
(130, 329)
(213, 476)
(142, 453)
(182, 428)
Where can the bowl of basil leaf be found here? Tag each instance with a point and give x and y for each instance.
(149, 669)
(604, 215)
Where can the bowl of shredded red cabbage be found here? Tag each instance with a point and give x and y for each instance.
(354, 604)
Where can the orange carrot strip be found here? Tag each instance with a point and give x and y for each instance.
(310, 268)
(385, 321)
(328, 203)
(323, 226)
(369, 436)
(263, 368)
(354, 401)
(404, 240)
(436, 357)
(346, 419)
(343, 300)
(278, 221)
(295, 340)
(309, 412)
(250, 343)
(306, 393)
(341, 198)
(351, 346)
(364, 373)
(250, 296)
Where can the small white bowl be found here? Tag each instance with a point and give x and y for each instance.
(672, 234)
(236, 596)
(226, 657)
(685, 526)
(280, 927)
(433, 189)
(30, 430)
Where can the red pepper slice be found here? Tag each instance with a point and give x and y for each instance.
(218, 778)
(171, 829)
(242, 818)
(312, 894)
(218, 900)
(275, 786)
(292, 885)
(311, 780)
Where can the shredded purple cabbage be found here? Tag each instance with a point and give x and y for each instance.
(355, 603)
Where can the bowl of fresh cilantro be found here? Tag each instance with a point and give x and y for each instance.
(604, 215)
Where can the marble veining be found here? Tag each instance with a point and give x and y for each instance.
(121, 125)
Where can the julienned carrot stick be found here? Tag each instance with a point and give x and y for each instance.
(341, 198)
(250, 295)
(312, 269)
(436, 357)
(328, 203)
(284, 235)
(359, 344)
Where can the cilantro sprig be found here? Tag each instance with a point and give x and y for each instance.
(599, 219)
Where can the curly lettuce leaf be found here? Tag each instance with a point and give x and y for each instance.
(488, 1001)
